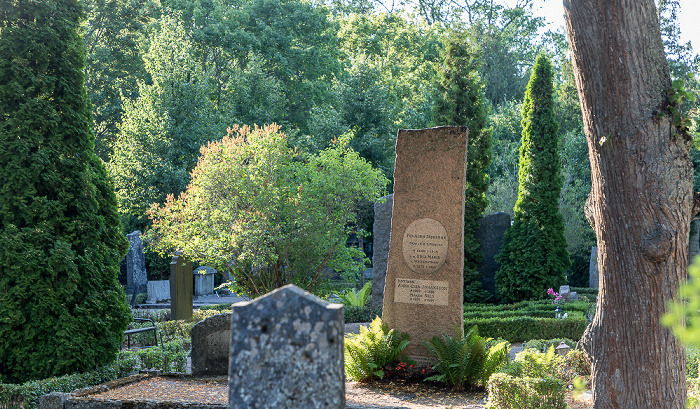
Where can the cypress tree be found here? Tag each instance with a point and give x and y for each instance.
(534, 257)
(61, 307)
(459, 100)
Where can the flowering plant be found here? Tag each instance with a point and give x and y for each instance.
(554, 294)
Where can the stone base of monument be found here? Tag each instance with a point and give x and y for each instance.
(145, 391)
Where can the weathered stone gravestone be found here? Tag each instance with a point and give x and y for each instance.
(204, 280)
(381, 231)
(181, 290)
(211, 345)
(287, 352)
(158, 290)
(424, 280)
(491, 230)
(694, 242)
(136, 279)
(593, 268)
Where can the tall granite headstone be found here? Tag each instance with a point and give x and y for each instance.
(491, 230)
(593, 268)
(136, 278)
(381, 231)
(424, 280)
(287, 352)
(181, 288)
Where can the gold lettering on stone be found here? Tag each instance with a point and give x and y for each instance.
(427, 292)
(425, 246)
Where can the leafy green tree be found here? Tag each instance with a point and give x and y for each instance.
(62, 308)
(268, 214)
(163, 130)
(294, 41)
(114, 64)
(534, 255)
(459, 100)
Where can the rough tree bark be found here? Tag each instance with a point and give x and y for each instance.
(641, 198)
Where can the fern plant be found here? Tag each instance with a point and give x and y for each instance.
(465, 360)
(353, 298)
(368, 352)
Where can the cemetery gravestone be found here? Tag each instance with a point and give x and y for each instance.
(490, 233)
(136, 279)
(180, 288)
(287, 352)
(211, 340)
(424, 279)
(694, 242)
(381, 233)
(204, 280)
(593, 268)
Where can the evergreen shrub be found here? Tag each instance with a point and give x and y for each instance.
(61, 306)
(521, 329)
(534, 254)
(509, 392)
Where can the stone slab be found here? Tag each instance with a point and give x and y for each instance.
(380, 255)
(158, 290)
(211, 344)
(491, 230)
(287, 352)
(424, 280)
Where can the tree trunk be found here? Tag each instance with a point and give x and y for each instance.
(641, 198)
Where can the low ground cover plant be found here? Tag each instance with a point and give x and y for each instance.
(368, 352)
(465, 361)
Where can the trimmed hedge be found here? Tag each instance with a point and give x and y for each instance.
(169, 357)
(542, 305)
(521, 329)
(26, 395)
(508, 392)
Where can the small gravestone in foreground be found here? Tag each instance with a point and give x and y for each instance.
(287, 352)
(423, 293)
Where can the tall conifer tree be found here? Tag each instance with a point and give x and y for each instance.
(534, 257)
(459, 100)
(61, 307)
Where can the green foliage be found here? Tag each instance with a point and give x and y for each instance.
(369, 351)
(459, 100)
(114, 65)
(352, 298)
(361, 314)
(534, 255)
(26, 395)
(61, 307)
(682, 317)
(543, 345)
(538, 364)
(580, 364)
(521, 329)
(168, 357)
(465, 361)
(268, 214)
(508, 392)
(163, 129)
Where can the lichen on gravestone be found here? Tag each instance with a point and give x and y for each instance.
(286, 352)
